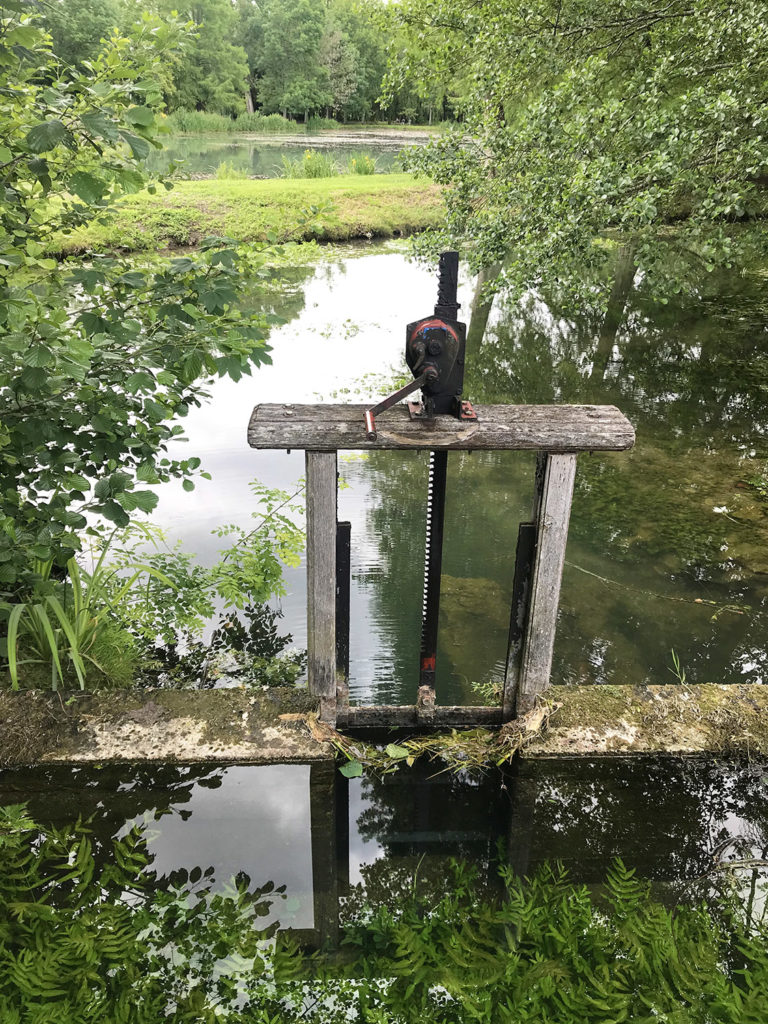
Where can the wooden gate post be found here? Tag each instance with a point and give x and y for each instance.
(554, 492)
(321, 580)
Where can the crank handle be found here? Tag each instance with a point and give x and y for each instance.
(429, 375)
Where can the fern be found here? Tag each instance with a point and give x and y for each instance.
(83, 942)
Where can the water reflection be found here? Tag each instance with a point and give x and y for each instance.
(337, 845)
(669, 543)
(262, 156)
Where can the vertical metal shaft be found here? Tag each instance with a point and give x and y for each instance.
(433, 560)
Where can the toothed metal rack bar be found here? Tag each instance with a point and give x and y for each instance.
(557, 432)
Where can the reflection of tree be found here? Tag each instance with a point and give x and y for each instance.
(478, 557)
(423, 820)
(106, 797)
(665, 816)
(695, 385)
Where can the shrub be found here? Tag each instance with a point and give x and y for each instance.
(316, 124)
(227, 171)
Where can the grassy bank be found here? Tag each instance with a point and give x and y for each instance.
(345, 207)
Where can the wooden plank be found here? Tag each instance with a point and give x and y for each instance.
(555, 428)
(518, 619)
(321, 580)
(383, 716)
(554, 510)
(343, 573)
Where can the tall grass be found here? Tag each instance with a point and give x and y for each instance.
(199, 122)
(311, 164)
(228, 171)
(361, 163)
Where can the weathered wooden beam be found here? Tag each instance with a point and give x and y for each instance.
(554, 510)
(518, 620)
(343, 574)
(384, 716)
(321, 580)
(554, 428)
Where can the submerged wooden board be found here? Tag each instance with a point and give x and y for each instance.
(407, 716)
(554, 428)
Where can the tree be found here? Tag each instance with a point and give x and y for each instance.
(214, 72)
(340, 59)
(292, 80)
(78, 26)
(98, 360)
(363, 31)
(586, 117)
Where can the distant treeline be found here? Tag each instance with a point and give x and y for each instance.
(296, 58)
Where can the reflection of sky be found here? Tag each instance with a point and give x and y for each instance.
(256, 821)
(361, 851)
(350, 327)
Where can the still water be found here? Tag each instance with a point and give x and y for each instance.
(329, 840)
(261, 156)
(668, 549)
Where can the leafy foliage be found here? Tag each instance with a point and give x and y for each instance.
(66, 625)
(582, 117)
(244, 648)
(97, 360)
(103, 940)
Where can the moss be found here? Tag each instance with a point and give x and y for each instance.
(38, 727)
(711, 718)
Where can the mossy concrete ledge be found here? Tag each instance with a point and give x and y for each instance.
(270, 726)
(264, 727)
(678, 719)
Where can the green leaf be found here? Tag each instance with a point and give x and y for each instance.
(86, 187)
(393, 751)
(351, 770)
(139, 115)
(143, 500)
(98, 124)
(38, 355)
(139, 147)
(188, 485)
(48, 135)
(115, 513)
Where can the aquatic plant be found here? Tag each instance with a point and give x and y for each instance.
(361, 163)
(199, 122)
(316, 124)
(227, 171)
(312, 164)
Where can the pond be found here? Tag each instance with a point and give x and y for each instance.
(668, 545)
(408, 880)
(261, 156)
(403, 891)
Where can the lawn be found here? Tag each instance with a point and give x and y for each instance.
(327, 209)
